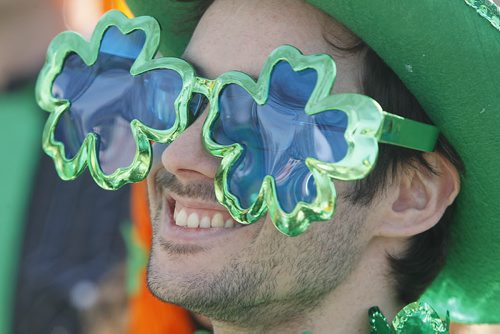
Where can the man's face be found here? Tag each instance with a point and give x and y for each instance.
(238, 273)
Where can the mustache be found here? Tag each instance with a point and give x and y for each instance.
(200, 190)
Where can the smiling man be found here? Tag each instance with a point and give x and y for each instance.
(388, 239)
(253, 277)
(386, 242)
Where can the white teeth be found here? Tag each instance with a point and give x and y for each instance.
(217, 220)
(181, 219)
(205, 222)
(193, 220)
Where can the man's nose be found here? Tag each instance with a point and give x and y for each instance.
(186, 157)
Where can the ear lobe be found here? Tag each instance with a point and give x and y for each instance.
(420, 198)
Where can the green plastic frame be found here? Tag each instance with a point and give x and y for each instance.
(367, 125)
(67, 43)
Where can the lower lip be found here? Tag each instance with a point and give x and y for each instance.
(171, 232)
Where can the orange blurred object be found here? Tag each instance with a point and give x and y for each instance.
(116, 4)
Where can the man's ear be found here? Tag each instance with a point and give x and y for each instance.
(418, 198)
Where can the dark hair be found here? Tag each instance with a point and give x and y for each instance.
(425, 255)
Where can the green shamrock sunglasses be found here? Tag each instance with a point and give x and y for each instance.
(283, 139)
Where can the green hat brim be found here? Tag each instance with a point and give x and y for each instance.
(448, 54)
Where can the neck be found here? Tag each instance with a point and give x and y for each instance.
(25, 32)
(344, 310)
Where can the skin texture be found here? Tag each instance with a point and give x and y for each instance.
(254, 279)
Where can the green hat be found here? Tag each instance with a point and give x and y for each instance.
(448, 54)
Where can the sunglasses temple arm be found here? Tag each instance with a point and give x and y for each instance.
(407, 133)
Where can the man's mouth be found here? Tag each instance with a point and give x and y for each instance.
(190, 217)
(192, 214)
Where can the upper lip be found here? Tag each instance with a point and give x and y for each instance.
(194, 203)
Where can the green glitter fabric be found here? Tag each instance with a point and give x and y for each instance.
(415, 318)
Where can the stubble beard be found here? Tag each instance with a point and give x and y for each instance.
(272, 282)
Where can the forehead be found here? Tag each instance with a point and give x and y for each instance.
(240, 34)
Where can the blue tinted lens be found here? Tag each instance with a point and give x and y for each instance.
(197, 104)
(278, 136)
(105, 97)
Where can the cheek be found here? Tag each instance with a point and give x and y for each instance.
(147, 189)
(361, 220)
(343, 187)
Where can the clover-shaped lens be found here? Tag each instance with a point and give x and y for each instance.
(105, 98)
(278, 136)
